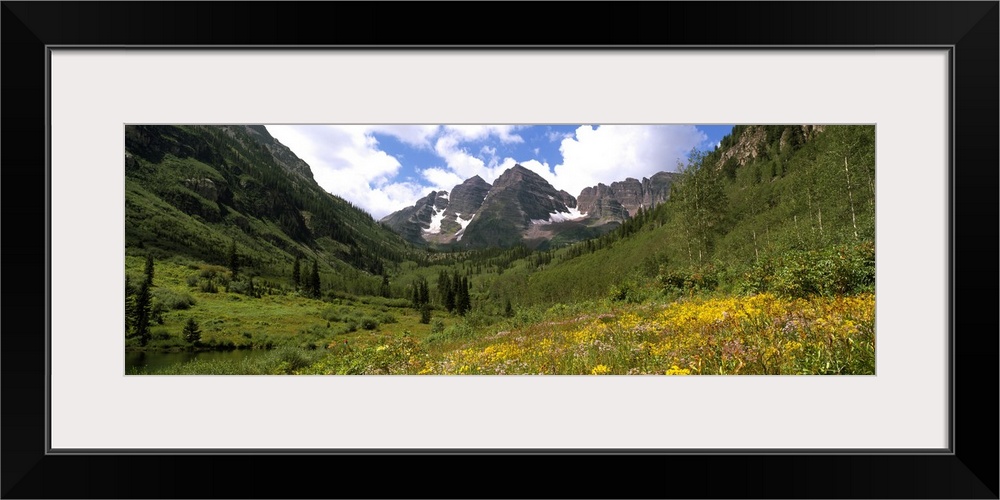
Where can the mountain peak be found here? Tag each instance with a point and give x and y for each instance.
(515, 175)
(475, 180)
(521, 206)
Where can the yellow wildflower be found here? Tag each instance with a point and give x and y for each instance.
(600, 370)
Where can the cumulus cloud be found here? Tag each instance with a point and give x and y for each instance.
(442, 179)
(418, 136)
(476, 132)
(613, 152)
(458, 160)
(347, 161)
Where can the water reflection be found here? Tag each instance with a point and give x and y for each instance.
(151, 362)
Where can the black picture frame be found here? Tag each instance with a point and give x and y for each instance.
(969, 470)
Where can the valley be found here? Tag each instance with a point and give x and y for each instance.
(755, 257)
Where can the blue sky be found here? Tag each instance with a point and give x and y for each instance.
(383, 168)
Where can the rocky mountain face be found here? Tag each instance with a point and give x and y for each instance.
(519, 200)
(621, 200)
(521, 206)
(413, 222)
(281, 154)
(464, 202)
(746, 143)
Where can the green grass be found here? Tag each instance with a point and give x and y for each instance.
(282, 319)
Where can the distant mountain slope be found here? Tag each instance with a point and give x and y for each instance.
(523, 208)
(194, 190)
(623, 199)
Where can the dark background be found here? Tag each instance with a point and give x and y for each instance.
(970, 472)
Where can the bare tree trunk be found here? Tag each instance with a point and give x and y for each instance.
(797, 233)
(756, 255)
(820, 217)
(850, 197)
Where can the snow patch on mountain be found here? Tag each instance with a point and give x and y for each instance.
(464, 223)
(573, 214)
(436, 219)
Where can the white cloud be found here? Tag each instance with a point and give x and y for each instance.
(477, 132)
(613, 152)
(441, 179)
(489, 155)
(457, 159)
(418, 136)
(346, 159)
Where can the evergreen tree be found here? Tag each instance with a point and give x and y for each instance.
(384, 289)
(149, 269)
(425, 294)
(456, 291)
(462, 297)
(465, 292)
(445, 294)
(192, 333)
(296, 272)
(143, 313)
(425, 313)
(130, 307)
(314, 283)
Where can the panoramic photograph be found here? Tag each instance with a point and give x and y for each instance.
(541, 249)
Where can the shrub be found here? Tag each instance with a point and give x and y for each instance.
(332, 313)
(846, 269)
(369, 323)
(191, 332)
(156, 312)
(478, 318)
(172, 300)
(244, 287)
(291, 359)
(628, 290)
(437, 326)
(694, 279)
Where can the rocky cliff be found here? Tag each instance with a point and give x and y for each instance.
(623, 199)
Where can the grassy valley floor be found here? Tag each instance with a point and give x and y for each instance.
(701, 334)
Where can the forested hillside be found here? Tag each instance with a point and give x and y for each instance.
(198, 191)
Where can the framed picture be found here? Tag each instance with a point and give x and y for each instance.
(924, 74)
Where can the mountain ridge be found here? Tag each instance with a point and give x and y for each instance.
(195, 191)
(522, 207)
